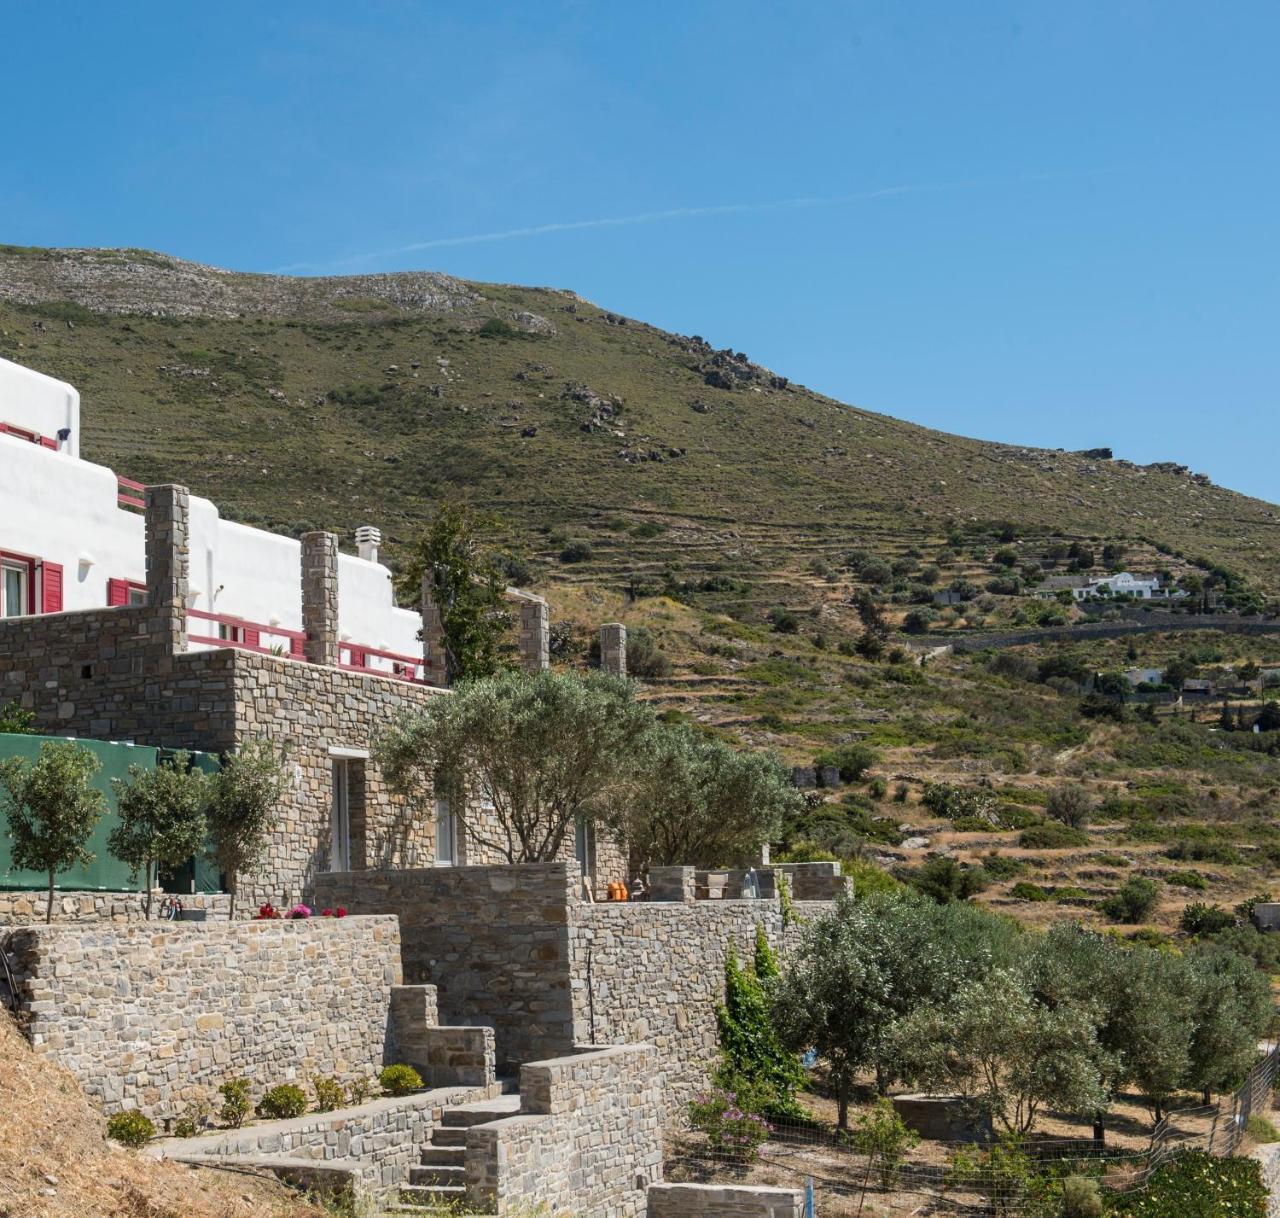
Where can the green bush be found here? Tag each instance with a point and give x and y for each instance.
(1001, 867)
(184, 1127)
(731, 1131)
(877, 788)
(884, 1138)
(577, 551)
(282, 1102)
(330, 1093)
(1134, 902)
(235, 1102)
(1186, 879)
(1201, 919)
(1025, 891)
(1198, 1185)
(852, 760)
(1052, 836)
(130, 1128)
(1069, 894)
(1080, 1198)
(400, 1080)
(943, 880)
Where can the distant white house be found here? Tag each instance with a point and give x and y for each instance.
(1144, 676)
(71, 537)
(1122, 586)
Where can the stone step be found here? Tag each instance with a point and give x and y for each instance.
(481, 1112)
(448, 1138)
(444, 1156)
(432, 1194)
(451, 1173)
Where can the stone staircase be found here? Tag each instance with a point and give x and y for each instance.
(438, 1182)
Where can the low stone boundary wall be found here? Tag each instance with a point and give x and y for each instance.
(723, 1201)
(588, 1139)
(25, 907)
(444, 1056)
(375, 1143)
(338, 1182)
(156, 1015)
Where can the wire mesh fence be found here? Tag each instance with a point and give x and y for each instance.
(1000, 1178)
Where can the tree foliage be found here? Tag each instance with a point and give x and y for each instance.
(701, 803)
(162, 818)
(546, 750)
(468, 587)
(242, 809)
(51, 808)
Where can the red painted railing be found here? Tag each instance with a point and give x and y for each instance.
(245, 635)
(123, 487)
(403, 667)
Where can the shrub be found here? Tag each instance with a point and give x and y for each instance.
(957, 802)
(400, 1080)
(1069, 805)
(1023, 890)
(282, 1102)
(730, 1131)
(1080, 1198)
(918, 621)
(1186, 879)
(943, 880)
(1198, 1185)
(184, 1127)
(359, 1091)
(330, 1093)
(877, 788)
(1134, 901)
(884, 1138)
(1052, 837)
(1201, 919)
(645, 658)
(852, 760)
(130, 1128)
(235, 1102)
(1261, 1130)
(784, 622)
(1001, 867)
(577, 551)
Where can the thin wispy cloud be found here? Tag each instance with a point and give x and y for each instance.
(671, 213)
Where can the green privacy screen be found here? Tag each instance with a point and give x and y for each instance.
(105, 873)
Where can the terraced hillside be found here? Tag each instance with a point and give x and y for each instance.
(335, 401)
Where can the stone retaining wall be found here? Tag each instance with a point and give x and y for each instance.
(588, 1139)
(494, 941)
(157, 1015)
(723, 1201)
(378, 1141)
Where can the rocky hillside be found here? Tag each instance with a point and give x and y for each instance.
(333, 401)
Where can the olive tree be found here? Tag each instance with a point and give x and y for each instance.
(242, 809)
(1231, 1010)
(546, 750)
(699, 802)
(52, 809)
(162, 818)
(992, 1040)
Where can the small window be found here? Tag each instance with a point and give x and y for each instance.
(446, 835)
(230, 633)
(137, 595)
(15, 589)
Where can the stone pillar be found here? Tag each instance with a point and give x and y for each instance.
(435, 665)
(320, 597)
(613, 649)
(535, 634)
(166, 525)
(672, 884)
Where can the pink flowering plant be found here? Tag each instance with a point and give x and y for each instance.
(299, 911)
(730, 1131)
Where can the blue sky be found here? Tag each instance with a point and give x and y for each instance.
(1046, 224)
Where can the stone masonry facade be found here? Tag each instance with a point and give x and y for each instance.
(156, 1016)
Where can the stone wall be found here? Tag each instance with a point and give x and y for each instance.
(18, 907)
(157, 1015)
(723, 1201)
(654, 971)
(494, 941)
(588, 1139)
(516, 949)
(379, 1141)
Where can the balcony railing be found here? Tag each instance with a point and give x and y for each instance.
(354, 658)
(247, 636)
(128, 492)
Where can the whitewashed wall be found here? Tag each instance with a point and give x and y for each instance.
(57, 508)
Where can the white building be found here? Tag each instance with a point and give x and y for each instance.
(1123, 586)
(71, 537)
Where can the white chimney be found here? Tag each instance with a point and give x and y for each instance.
(368, 539)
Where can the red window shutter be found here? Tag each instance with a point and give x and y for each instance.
(252, 638)
(297, 647)
(51, 587)
(117, 592)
